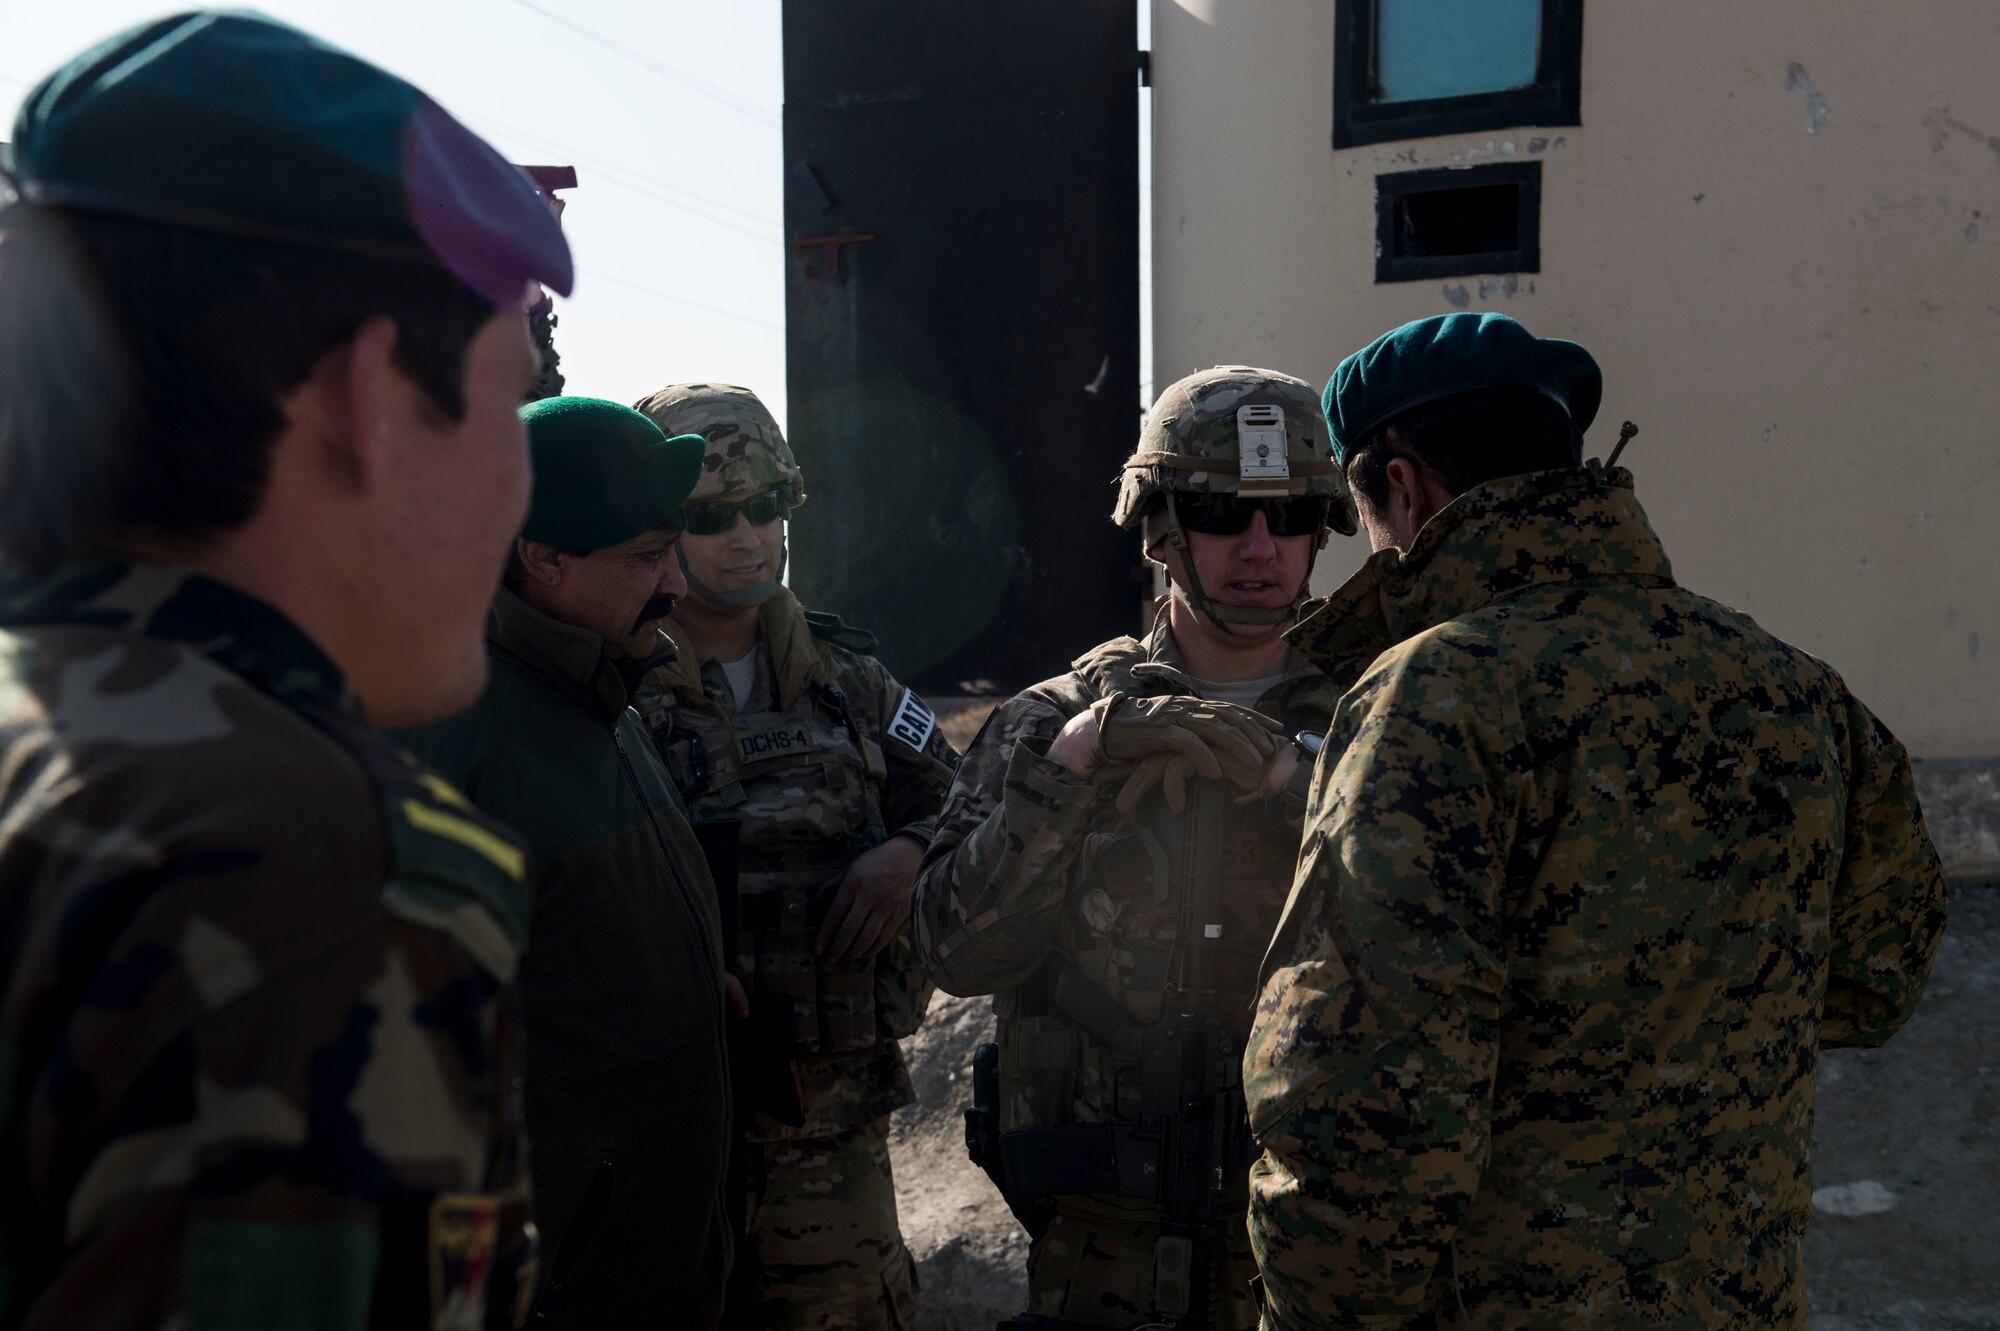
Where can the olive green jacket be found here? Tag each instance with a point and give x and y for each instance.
(627, 1085)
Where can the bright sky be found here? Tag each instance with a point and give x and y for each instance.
(670, 112)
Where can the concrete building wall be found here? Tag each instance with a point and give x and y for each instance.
(1802, 313)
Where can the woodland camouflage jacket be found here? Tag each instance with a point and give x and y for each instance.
(255, 1033)
(1593, 867)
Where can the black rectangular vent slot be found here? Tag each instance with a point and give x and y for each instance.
(1457, 222)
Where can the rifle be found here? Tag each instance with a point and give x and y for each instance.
(1191, 1133)
(763, 1076)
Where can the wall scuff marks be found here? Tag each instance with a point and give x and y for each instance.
(1796, 81)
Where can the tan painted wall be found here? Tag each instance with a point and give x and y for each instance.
(1806, 326)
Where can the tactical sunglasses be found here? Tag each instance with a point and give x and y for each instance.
(1229, 515)
(708, 518)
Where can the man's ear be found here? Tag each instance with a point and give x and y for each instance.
(1406, 494)
(1432, 498)
(543, 563)
(351, 401)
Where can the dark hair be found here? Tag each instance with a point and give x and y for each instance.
(1468, 439)
(142, 367)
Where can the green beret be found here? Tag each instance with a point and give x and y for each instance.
(223, 120)
(603, 473)
(1448, 354)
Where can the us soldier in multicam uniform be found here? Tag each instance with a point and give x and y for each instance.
(256, 1047)
(1594, 867)
(1057, 845)
(778, 719)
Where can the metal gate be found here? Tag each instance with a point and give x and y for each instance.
(962, 305)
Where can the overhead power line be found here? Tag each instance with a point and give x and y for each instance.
(682, 300)
(625, 177)
(719, 95)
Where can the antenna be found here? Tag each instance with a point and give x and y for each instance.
(1625, 434)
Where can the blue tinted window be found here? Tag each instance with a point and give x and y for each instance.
(1452, 48)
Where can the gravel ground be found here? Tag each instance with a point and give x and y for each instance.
(1907, 1155)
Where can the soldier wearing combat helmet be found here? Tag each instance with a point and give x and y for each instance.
(1091, 873)
(777, 721)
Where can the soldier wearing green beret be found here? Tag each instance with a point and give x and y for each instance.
(1593, 868)
(261, 345)
(780, 721)
(622, 984)
(1092, 873)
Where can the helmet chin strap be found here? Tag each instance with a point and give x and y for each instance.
(755, 594)
(1221, 615)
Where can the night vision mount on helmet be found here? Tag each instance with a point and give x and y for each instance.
(1232, 430)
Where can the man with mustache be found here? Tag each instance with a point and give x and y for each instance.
(622, 983)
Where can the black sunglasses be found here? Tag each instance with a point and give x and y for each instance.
(1229, 515)
(706, 519)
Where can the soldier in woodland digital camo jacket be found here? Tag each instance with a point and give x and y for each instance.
(834, 774)
(1593, 868)
(1034, 864)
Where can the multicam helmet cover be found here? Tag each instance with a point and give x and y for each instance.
(1190, 443)
(1199, 438)
(747, 453)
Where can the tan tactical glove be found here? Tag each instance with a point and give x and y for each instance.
(1163, 741)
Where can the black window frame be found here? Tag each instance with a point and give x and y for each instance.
(1526, 257)
(1553, 99)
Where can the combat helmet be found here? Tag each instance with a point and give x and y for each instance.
(1218, 432)
(745, 453)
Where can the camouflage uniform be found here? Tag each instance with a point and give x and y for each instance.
(1032, 865)
(257, 1054)
(1593, 867)
(827, 757)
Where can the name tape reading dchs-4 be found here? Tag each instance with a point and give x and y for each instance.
(913, 723)
(767, 742)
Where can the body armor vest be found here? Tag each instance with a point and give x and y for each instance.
(1121, 932)
(802, 785)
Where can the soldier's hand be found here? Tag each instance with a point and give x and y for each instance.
(1284, 765)
(1219, 738)
(873, 901)
(1076, 748)
(1169, 772)
(1162, 742)
(733, 995)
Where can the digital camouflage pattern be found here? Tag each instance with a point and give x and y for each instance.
(1194, 421)
(1029, 863)
(255, 1031)
(1593, 867)
(829, 757)
(823, 1231)
(747, 453)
